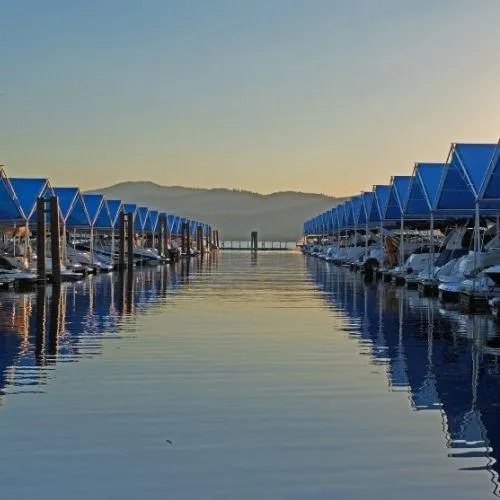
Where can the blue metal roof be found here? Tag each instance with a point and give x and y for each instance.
(490, 189)
(333, 218)
(140, 220)
(130, 208)
(341, 216)
(423, 188)
(397, 195)
(474, 160)
(28, 191)
(177, 225)
(98, 211)
(366, 202)
(115, 207)
(10, 207)
(72, 207)
(349, 217)
(357, 208)
(151, 221)
(171, 221)
(380, 199)
(462, 179)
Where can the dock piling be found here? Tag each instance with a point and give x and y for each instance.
(121, 256)
(41, 239)
(55, 239)
(254, 243)
(130, 241)
(161, 235)
(199, 239)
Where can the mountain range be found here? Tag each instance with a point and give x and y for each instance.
(277, 216)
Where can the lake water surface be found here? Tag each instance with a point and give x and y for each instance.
(268, 377)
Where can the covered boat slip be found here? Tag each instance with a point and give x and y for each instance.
(85, 232)
(420, 208)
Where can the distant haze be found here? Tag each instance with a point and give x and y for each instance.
(276, 216)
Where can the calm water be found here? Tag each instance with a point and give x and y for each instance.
(274, 378)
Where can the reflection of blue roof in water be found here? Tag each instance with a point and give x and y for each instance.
(425, 355)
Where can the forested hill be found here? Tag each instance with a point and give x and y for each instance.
(276, 216)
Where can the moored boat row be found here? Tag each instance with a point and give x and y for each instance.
(437, 230)
(62, 234)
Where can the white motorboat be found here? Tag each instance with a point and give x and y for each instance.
(10, 267)
(466, 267)
(89, 262)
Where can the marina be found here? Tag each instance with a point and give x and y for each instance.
(249, 250)
(61, 234)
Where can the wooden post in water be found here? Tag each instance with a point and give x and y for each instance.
(199, 239)
(183, 238)
(161, 235)
(121, 253)
(130, 241)
(254, 244)
(216, 237)
(202, 236)
(55, 239)
(41, 237)
(188, 239)
(209, 238)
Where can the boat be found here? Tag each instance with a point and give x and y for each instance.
(20, 275)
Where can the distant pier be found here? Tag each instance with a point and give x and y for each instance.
(261, 246)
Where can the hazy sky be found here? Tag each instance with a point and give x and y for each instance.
(329, 96)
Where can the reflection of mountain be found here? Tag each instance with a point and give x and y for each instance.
(67, 323)
(441, 357)
(235, 213)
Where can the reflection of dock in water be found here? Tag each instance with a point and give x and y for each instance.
(67, 322)
(445, 361)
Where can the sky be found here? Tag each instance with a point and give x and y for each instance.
(322, 96)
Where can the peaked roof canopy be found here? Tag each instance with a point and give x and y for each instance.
(463, 177)
(397, 195)
(10, 207)
(115, 207)
(380, 198)
(98, 211)
(423, 189)
(28, 191)
(72, 207)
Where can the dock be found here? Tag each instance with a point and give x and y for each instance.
(262, 246)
